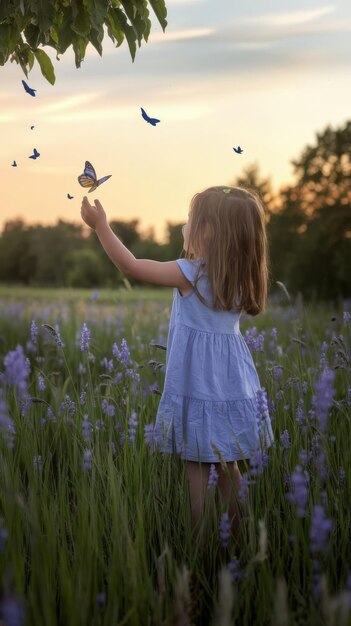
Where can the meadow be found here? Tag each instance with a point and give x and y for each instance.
(95, 525)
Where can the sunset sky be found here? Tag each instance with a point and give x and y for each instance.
(265, 75)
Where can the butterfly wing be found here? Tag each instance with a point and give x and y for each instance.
(153, 121)
(88, 178)
(89, 170)
(86, 181)
(144, 114)
(103, 179)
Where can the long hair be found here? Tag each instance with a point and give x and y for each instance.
(227, 231)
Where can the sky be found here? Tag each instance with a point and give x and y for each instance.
(265, 74)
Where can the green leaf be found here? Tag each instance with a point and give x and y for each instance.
(128, 31)
(138, 15)
(46, 67)
(98, 10)
(79, 47)
(96, 37)
(114, 29)
(81, 24)
(159, 8)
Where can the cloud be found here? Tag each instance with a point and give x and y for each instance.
(177, 35)
(288, 18)
(70, 102)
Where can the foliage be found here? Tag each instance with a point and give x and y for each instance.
(310, 237)
(26, 26)
(95, 524)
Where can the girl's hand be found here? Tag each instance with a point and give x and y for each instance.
(93, 215)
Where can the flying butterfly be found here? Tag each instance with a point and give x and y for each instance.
(89, 179)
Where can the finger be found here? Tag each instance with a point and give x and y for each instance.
(98, 204)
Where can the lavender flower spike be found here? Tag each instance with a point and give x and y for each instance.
(213, 477)
(320, 528)
(85, 338)
(323, 399)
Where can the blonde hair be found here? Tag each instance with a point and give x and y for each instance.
(227, 231)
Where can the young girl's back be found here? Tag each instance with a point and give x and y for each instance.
(211, 382)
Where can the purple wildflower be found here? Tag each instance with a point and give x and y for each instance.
(346, 317)
(107, 409)
(234, 569)
(299, 495)
(68, 405)
(213, 477)
(85, 338)
(277, 372)
(258, 461)
(244, 487)
(87, 427)
(87, 464)
(34, 332)
(300, 415)
(151, 436)
(254, 341)
(323, 399)
(132, 426)
(274, 334)
(319, 530)
(285, 439)
(12, 611)
(83, 398)
(16, 370)
(100, 425)
(41, 383)
(122, 354)
(57, 337)
(154, 388)
(342, 475)
(50, 415)
(224, 530)
(107, 364)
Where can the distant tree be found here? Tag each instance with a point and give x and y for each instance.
(17, 261)
(251, 179)
(26, 26)
(311, 235)
(174, 240)
(84, 269)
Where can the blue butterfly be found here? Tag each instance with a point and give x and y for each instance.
(35, 154)
(70, 197)
(89, 179)
(28, 89)
(152, 120)
(14, 164)
(238, 150)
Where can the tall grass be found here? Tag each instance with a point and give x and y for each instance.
(95, 524)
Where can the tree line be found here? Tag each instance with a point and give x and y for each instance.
(308, 227)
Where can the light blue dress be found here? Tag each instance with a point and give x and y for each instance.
(210, 386)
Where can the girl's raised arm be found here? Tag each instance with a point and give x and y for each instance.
(165, 273)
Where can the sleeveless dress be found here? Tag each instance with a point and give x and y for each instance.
(210, 386)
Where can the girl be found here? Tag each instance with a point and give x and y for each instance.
(208, 409)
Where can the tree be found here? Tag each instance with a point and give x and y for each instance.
(311, 236)
(26, 26)
(251, 179)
